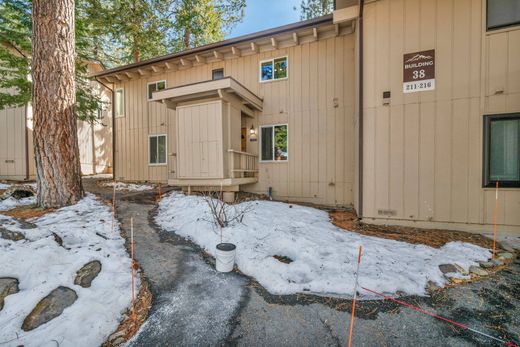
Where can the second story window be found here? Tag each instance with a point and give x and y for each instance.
(273, 69)
(502, 13)
(217, 74)
(155, 86)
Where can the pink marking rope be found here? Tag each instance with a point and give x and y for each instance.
(464, 326)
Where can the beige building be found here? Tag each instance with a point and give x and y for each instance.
(271, 112)
(407, 110)
(16, 139)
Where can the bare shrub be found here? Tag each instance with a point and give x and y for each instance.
(222, 214)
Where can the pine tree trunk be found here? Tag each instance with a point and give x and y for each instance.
(55, 131)
(136, 54)
(187, 35)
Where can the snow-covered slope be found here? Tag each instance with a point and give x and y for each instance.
(41, 265)
(324, 255)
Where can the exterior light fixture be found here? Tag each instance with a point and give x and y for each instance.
(252, 133)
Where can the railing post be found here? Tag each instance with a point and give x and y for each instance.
(232, 165)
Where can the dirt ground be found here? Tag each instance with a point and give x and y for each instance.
(432, 237)
(26, 212)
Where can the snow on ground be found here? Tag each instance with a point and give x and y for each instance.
(11, 202)
(324, 256)
(129, 187)
(41, 265)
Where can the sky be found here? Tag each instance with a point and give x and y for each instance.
(266, 14)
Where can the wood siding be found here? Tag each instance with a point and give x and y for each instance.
(12, 143)
(423, 152)
(95, 140)
(317, 102)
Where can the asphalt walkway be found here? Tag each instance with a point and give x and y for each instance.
(194, 305)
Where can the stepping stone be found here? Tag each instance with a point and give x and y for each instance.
(432, 287)
(449, 268)
(506, 247)
(476, 270)
(87, 273)
(497, 262)
(505, 255)
(49, 307)
(8, 286)
(11, 235)
(25, 224)
(486, 264)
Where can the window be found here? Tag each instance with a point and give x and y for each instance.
(99, 111)
(502, 150)
(273, 69)
(217, 74)
(502, 13)
(273, 143)
(157, 149)
(155, 86)
(120, 102)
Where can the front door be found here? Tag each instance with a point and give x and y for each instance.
(243, 141)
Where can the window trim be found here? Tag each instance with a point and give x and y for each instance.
(117, 115)
(272, 61)
(156, 90)
(497, 27)
(486, 163)
(217, 69)
(260, 143)
(165, 146)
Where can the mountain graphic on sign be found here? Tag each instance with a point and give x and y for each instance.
(418, 57)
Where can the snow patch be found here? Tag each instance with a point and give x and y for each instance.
(10, 202)
(324, 256)
(41, 265)
(129, 187)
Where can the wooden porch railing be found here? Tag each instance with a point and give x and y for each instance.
(242, 164)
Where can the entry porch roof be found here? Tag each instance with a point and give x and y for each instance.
(221, 88)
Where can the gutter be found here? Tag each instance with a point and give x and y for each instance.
(360, 103)
(27, 174)
(228, 42)
(112, 102)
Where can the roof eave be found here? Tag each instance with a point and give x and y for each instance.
(224, 43)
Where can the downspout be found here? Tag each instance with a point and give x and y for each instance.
(27, 174)
(360, 103)
(112, 102)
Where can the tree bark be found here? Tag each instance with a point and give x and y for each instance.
(55, 131)
(135, 53)
(187, 35)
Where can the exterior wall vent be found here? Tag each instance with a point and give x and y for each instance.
(388, 213)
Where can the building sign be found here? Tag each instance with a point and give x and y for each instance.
(419, 71)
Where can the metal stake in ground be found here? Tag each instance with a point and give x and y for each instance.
(132, 254)
(495, 212)
(355, 296)
(113, 206)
